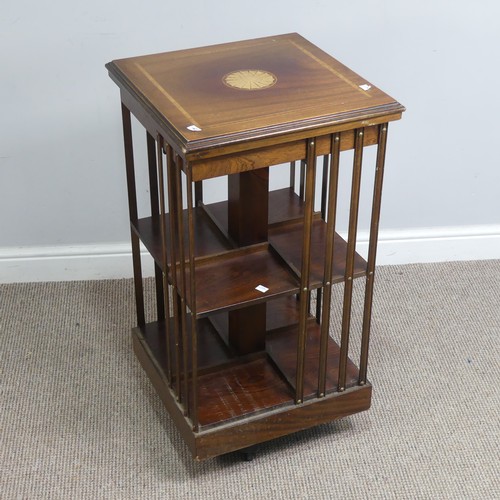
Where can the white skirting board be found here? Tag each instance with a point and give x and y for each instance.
(70, 263)
(112, 261)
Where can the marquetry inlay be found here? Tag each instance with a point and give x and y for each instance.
(250, 79)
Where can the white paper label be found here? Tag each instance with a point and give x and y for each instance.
(194, 128)
(365, 86)
(262, 288)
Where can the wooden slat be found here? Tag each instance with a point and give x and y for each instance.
(351, 248)
(172, 205)
(304, 269)
(155, 214)
(182, 278)
(329, 260)
(192, 298)
(162, 221)
(372, 252)
(132, 204)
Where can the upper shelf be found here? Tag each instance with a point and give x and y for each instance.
(287, 241)
(286, 233)
(208, 240)
(240, 278)
(226, 278)
(284, 205)
(219, 96)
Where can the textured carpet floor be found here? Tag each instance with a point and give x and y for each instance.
(79, 419)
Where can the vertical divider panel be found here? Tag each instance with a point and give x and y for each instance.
(351, 248)
(192, 299)
(330, 216)
(132, 206)
(302, 177)
(155, 215)
(306, 261)
(198, 192)
(164, 256)
(292, 175)
(372, 251)
(174, 257)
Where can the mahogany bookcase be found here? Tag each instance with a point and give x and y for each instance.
(237, 353)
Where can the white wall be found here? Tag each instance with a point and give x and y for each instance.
(62, 184)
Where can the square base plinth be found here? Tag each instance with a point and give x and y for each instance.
(276, 415)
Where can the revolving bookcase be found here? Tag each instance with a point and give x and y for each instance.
(242, 349)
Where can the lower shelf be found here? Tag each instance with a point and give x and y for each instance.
(247, 400)
(284, 205)
(244, 389)
(281, 346)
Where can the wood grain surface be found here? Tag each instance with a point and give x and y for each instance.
(187, 92)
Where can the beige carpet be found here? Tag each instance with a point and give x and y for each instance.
(79, 419)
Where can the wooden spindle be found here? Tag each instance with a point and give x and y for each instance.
(372, 251)
(192, 299)
(155, 215)
(164, 256)
(351, 248)
(304, 276)
(324, 184)
(328, 273)
(132, 204)
(183, 284)
(174, 258)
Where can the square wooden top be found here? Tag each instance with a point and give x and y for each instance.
(242, 91)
